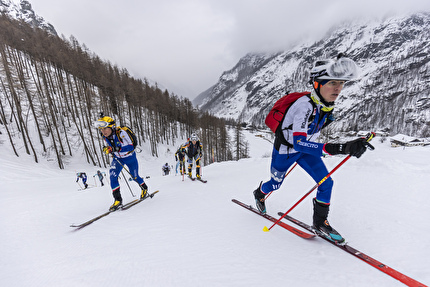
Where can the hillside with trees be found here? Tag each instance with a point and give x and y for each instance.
(55, 88)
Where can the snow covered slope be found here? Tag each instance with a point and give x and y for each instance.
(191, 234)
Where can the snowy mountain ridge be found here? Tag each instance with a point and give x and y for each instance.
(22, 10)
(391, 94)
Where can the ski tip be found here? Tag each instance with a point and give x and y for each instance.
(265, 229)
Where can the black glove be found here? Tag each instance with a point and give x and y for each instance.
(354, 148)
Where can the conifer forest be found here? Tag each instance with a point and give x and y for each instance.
(56, 88)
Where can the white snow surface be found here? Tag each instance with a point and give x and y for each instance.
(191, 234)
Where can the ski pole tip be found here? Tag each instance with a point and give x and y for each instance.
(265, 229)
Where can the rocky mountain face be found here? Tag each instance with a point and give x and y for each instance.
(391, 94)
(23, 11)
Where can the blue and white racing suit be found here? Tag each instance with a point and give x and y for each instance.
(124, 155)
(300, 133)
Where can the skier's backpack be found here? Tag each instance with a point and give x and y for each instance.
(130, 133)
(280, 108)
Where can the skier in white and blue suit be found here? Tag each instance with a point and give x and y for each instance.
(301, 126)
(83, 176)
(100, 176)
(120, 145)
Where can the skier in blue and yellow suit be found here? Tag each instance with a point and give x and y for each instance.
(180, 155)
(120, 146)
(194, 152)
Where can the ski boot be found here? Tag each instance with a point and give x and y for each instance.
(259, 199)
(117, 204)
(144, 193)
(118, 199)
(198, 176)
(321, 226)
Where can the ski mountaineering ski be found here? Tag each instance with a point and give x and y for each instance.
(124, 207)
(134, 202)
(366, 258)
(294, 230)
(89, 186)
(345, 247)
(196, 178)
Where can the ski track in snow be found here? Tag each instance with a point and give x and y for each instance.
(191, 234)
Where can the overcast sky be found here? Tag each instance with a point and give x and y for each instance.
(185, 45)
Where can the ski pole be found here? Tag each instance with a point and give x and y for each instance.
(126, 181)
(127, 172)
(368, 138)
(123, 166)
(291, 169)
(309, 192)
(183, 169)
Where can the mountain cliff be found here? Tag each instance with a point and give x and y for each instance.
(391, 94)
(23, 11)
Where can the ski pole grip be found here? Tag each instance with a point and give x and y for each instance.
(368, 138)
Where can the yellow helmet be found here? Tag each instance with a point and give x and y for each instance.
(104, 122)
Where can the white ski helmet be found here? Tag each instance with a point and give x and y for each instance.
(194, 137)
(341, 69)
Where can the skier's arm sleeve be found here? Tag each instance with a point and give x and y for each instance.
(301, 144)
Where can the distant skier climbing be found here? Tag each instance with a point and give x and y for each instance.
(83, 176)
